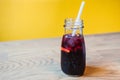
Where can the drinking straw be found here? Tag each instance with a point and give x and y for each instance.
(78, 17)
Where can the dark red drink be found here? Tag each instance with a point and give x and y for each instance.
(73, 54)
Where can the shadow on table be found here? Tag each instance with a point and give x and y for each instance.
(94, 71)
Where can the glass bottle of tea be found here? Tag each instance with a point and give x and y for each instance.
(73, 53)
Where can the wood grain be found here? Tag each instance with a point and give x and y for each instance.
(40, 59)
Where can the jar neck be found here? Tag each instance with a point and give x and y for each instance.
(72, 25)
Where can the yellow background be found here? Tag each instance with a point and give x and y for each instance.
(31, 19)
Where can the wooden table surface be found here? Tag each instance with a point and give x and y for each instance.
(40, 59)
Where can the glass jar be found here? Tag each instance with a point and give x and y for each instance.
(73, 54)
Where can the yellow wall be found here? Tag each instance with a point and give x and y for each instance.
(30, 19)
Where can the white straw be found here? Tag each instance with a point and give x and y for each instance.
(78, 16)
